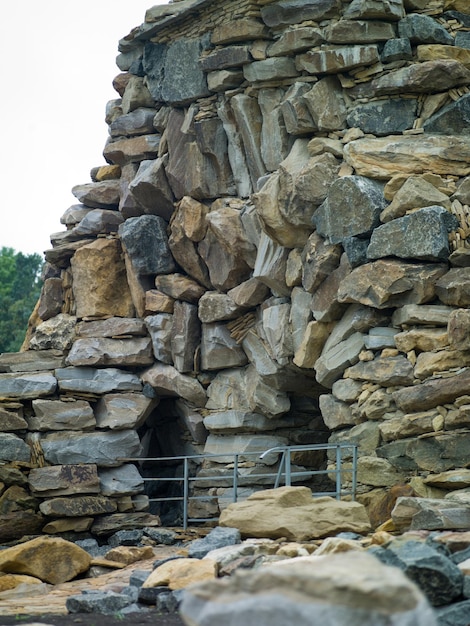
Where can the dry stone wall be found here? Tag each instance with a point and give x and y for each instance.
(276, 251)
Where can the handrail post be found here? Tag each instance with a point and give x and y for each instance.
(288, 467)
(338, 471)
(235, 479)
(185, 493)
(354, 472)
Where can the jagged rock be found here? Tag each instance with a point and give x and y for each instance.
(325, 304)
(62, 480)
(145, 242)
(336, 414)
(11, 581)
(451, 119)
(297, 117)
(136, 352)
(452, 288)
(336, 219)
(120, 481)
(218, 349)
(77, 506)
(180, 287)
(421, 315)
(133, 150)
(101, 448)
(249, 447)
(270, 266)
(112, 327)
(156, 302)
(151, 189)
(167, 381)
(295, 40)
(377, 472)
(384, 117)
(416, 192)
(19, 524)
(385, 156)
(108, 524)
(98, 602)
(442, 74)
(31, 361)
(135, 95)
(58, 415)
(358, 31)
(274, 68)
(247, 115)
(56, 333)
(294, 514)
(391, 10)
(457, 329)
(51, 298)
(12, 421)
(99, 381)
(293, 11)
(423, 29)
(385, 283)
(103, 195)
(247, 29)
(333, 361)
(51, 559)
(99, 280)
(274, 138)
(160, 329)
(96, 222)
(217, 538)
(432, 392)
(119, 411)
(137, 122)
(398, 49)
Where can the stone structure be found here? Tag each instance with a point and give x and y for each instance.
(276, 251)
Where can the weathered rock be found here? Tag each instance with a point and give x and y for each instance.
(99, 381)
(103, 195)
(384, 117)
(136, 352)
(217, 538)
(293, 11)
(61, 480)
(24, 385)
(151, 189)
(249, 447)
(293, 514)
(358, 31)
(133, 150)
(57, 415)
(52, 560)
(180, 573)
(335, 220)
(416, 192)
(108, 524)
(333, 361)
(218, 349)
(31, 361)
(274, 68)
(423, 29)
(99, 280)
(145, 242)
(337, 59)
(391, 10)
(119, 411)
(383, 157)
(103, 449)
(442, 74)
(421, 315)
(336, 414)
(120, 481)
(98, 602)
(167, 381)
(19, 524)
(452, 288)
(137, 122)
(78, 506)
(51, 298)
(295, 40)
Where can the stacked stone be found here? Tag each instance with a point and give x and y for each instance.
(276, 252)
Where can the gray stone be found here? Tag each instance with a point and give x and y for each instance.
(454, 287)
(119, 411)
(150, 188)
(422, 235)
(391, 10)
(51, 298)
(97, 222)
(336, 414)
(352, 208)
(132, 150)
(338, 59)
(27, 386)
(249, 447)
(61, 480)
(100, 602)
(423, 29)
(332, 362)
(388, 372)
(452, 119)
(217, 538)
(173, 72)
(278, 333)
(136, 352)
(160, 329)
(319, 260)
(58, 415)
(355, 249)
(248, 120)
(237, 421)
(168, 382)
(31, 361)
(397, 49)
(416, 315)
(294, 11)
(227, 57)
(99, 381)
(270, 267)
(274, 138)
(145, 241)
(359, 31)
(78, 506)
(416, 78)
(103, 449)
(185, 336)
(12, 448)
(56, 333)
(297, 117)
(384, 117)
(274, 68)
(120, 481)
(462, 40)
(224, 80)
(114, 327)
(218, 349)
(455, 614)
(214, 306)
(138, 122)
(102, 195)
(295, 40)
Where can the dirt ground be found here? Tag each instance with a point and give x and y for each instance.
(146, 618)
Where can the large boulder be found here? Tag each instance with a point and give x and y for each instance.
(292, 512)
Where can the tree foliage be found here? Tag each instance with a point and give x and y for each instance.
(20, 287)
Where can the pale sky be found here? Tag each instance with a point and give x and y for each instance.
(58, 63)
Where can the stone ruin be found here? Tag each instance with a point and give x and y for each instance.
(275, 252)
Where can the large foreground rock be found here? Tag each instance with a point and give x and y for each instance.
(292, 512)
(51, 559)
(351, 588)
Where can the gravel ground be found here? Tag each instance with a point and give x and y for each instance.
(146, 618)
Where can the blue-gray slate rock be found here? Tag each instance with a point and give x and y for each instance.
(384, 117)
(163, 536)
(104, 602)
(436, 575)
(352, 208)
(421, 235)
(398, 49)
(138, 577)
(145, 240)
(356, 251)
(423, 29)
(453, 119)
(217, 538)
(457, 614)
(295, 11)
(173, 72)
(126, 538)
(462, 39)
(92, 547)
(149, 595)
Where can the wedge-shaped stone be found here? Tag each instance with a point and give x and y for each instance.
(229, 56)
(423, 235)
(294, 11)
(135, 352)
(386, 156)
(64, 480)
(185, 336)
(150, 188)
(168, 382)
(452, 119)
(51, 559)
(104, 195)
(337, 59)
(385, 284)
(214, 306)
(417, 78)
(336, 414)
(103, 449)
(180, 287)
(159, 327)
(27, 386)
(332, 363)
(118, 411)
(416, 192)
(138, 122)
(58, 415)
(98, 381)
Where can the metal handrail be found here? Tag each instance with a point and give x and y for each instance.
(284, 469)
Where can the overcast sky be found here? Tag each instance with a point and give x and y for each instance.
(58, 63)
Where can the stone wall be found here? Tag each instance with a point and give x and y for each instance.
(275, 252)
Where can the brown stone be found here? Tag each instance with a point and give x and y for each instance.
(417, 78)
(433, 392)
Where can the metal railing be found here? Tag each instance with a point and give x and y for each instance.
(286, 473)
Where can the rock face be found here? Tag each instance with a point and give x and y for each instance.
(276, 252)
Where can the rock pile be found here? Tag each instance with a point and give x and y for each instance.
(275, 252)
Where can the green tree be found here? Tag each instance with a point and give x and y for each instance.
(20, 287)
